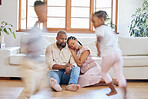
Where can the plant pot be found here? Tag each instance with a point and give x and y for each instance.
(2, 44)
(2, 37)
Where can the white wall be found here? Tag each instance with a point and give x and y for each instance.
(9, 13)
(125, 10)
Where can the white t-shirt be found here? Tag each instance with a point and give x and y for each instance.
(35, 43)
(108, 40)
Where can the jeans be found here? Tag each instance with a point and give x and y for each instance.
(62, 78)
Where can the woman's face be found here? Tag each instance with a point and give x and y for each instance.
(73, 44)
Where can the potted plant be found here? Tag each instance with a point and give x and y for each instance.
(5, 28)
(139, 23)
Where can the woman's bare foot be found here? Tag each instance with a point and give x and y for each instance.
(55, 85)
(72, 87)
(115, 82)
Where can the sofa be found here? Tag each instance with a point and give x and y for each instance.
(134, 50)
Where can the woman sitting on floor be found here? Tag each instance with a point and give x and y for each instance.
(90, 71)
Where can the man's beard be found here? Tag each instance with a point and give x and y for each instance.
(62, 44)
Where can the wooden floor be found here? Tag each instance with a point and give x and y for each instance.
(10, 89)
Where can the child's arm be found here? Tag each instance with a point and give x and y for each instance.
(98, 46)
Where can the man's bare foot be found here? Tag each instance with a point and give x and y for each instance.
(112, 93)
(55, 85)
(72, 87)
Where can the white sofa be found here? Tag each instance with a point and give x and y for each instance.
(135, 55)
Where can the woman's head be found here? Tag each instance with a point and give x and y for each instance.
(99, 18)
(73, 43)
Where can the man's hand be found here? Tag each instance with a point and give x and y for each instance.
(69, 65)
(67, 70)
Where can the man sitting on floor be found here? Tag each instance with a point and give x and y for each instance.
(60, 60)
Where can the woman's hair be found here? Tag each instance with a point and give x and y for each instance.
(38, 2)
(73, 38)
(100, 14)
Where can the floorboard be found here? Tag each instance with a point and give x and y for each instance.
(10, 89)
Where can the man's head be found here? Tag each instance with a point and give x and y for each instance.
(61, 39)
(41, 10)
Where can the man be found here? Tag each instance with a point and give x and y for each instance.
(34, 67)
(63, 67)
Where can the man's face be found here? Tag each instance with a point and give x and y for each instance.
(41, 11)
(62, 40)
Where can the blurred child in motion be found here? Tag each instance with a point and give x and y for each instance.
(109, 51)
(34, 67)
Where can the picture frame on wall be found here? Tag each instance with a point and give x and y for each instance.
(0, 2)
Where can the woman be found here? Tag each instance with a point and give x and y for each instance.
(90, 70)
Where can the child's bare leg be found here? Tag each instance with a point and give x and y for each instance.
(124, 90)
(107, 62)
(115, 82)
(112, 88)
(102, 82)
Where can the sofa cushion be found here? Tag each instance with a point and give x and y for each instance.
(16, 59)
(127, 60)
(135, 60)
(130, 61)
(24, 39)
(90, 42)
(133, 45)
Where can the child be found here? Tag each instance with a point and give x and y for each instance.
(34, 67)
(109, 51)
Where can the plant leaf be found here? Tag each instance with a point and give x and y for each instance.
(2, 22)
(14, 35)
(5, 30)
(10, 30)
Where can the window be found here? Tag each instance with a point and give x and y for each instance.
(111, 8)
(56, 12)
(68, 15)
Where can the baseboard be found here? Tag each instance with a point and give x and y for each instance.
(137, 80)
(4, 78)
(10, 78)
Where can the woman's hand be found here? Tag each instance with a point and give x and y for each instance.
(71, 50)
